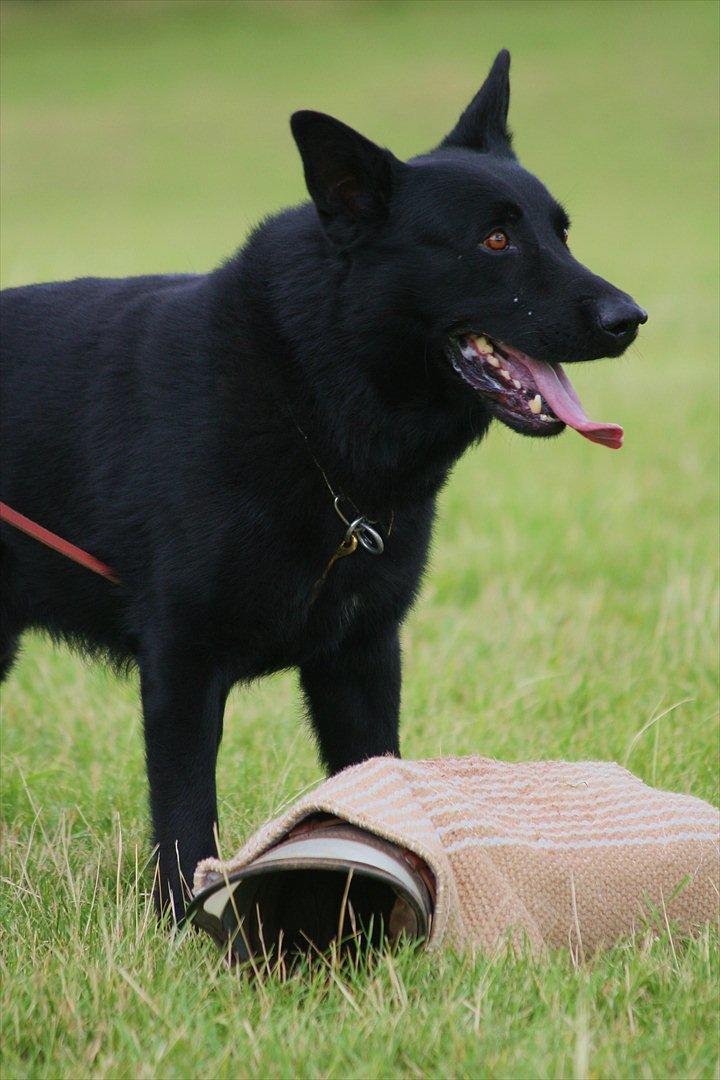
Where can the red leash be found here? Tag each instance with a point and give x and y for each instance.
(52, 540)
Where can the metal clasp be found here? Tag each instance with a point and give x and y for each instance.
(370, 538)
(362, 530)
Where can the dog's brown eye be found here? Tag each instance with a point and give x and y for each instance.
(496, 241)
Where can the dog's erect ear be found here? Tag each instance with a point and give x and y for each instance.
(350, 179)
(483, 125)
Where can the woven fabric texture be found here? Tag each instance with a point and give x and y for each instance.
(573, 854)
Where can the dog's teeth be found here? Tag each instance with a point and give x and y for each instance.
(483, 345)
(517, 385)
(544, 416)
(536, 404)
(493, 360)
(505, 374)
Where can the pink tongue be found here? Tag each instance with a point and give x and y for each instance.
(558, 391)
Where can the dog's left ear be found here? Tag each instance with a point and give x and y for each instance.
(350, 179)
(483, 125)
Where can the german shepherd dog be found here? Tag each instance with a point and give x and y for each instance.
(222, 439)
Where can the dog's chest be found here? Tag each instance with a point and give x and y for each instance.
(305, 602)
(356, 593)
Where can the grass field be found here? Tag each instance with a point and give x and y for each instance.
(571, 606)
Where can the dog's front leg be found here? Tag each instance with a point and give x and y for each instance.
(353, 694)
(183, 698)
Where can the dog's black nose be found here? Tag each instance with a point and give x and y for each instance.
(619, 315)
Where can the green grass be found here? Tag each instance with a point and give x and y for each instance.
(571, 601)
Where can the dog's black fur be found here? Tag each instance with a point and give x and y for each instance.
(175, 427)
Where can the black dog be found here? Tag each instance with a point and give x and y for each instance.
(205, 436)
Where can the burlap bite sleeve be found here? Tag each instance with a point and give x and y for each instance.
(566, 853)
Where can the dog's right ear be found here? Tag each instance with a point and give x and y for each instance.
(483, 125)
(350, 179)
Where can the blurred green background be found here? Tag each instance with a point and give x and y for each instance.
(571, 606)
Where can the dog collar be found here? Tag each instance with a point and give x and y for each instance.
(359, 529)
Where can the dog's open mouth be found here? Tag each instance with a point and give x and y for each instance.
(531, 396)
